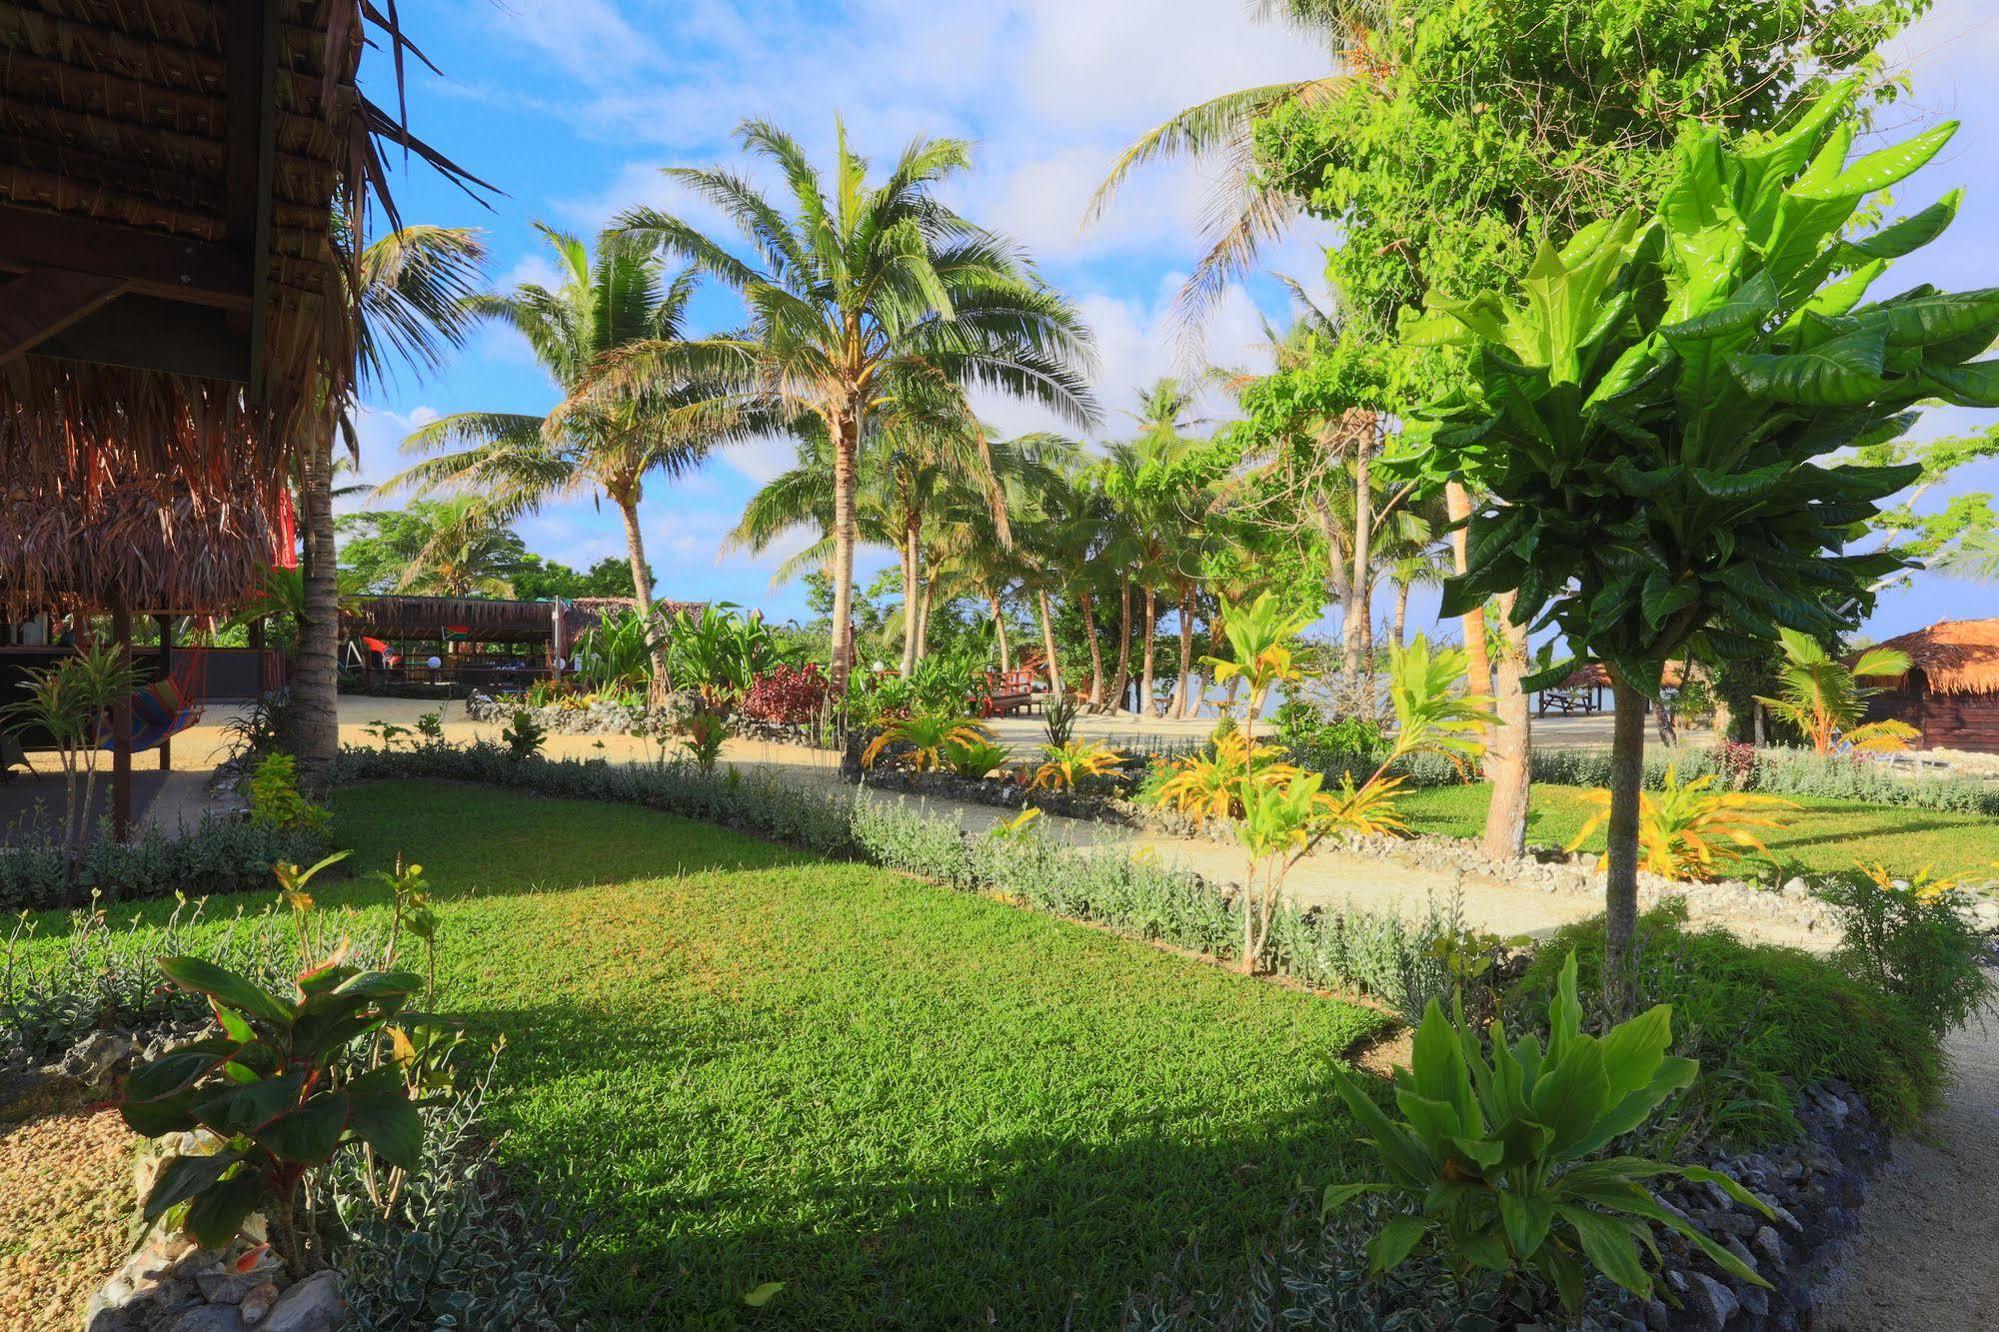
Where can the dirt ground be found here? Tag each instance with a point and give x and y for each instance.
(65, 1199)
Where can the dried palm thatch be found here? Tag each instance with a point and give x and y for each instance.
(1955, 656)
(216, 159)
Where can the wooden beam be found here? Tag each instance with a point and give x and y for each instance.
(243, 47)
(36, 306)
(269, 52)
(157, 265)
(147, 333)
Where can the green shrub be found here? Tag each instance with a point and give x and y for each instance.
(1503, 1153)
(218, 855)
(1764, 1022)
(272, 793)
(1910, 941)
(523, 738)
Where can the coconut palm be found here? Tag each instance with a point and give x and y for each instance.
(460, 548)
(413, 284)
(1823, 697)
(517, 461)
(872, 293)
(1246, 212)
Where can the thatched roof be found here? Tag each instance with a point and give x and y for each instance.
(585, 613)
(175, 309)
(492, 619)
(1955, 656)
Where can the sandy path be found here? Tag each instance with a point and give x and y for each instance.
(1924, 1257)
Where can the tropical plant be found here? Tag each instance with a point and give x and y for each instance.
(274, 1086)
(1075, 765)
(1499, 1152)
(1909, 937)
(1648, 417)
(868, 296)
(1690, 830)
(409, 289)
(1058, 718)
(927, 736)
(701, 736)
(620, 298)
(1824, 699)
(523, 736)
(720, 652)
(1276, 831)
(272, 793)
(68, 702)
(386, 733)
(787, 694)
(1263, 637)
(430, 725)
(974, 758)
(614, 655)
(1210, 784)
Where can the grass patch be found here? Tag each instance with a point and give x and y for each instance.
(1824, 836)
(912, 1106)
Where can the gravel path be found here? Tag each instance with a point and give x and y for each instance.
(1923, 1258)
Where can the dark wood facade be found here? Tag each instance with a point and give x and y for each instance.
(1947, 721)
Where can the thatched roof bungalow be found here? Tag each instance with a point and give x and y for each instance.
(1951, 690)
(182, 187)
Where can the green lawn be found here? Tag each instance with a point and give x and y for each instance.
(1823, 835)
(912, 1106)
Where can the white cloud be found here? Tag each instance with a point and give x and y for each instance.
(381, 434)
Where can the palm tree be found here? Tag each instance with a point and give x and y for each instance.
(1147, 482)
(1246, 211)
(460, 548)
(1074, 528)
(1823, 697)
(411, 295)
(517, 461)
(876, 293)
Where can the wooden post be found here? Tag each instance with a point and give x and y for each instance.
(121, 732)
(167, 673)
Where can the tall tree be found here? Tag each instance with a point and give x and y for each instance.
(870, 293)
(1649, 409)
(449, 548)
(517, 461)
(412, 285)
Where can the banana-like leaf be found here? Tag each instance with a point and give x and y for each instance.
(1881, 168)
(1910, 234)
(1844, 372)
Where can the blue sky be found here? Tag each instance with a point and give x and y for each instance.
(572, 106)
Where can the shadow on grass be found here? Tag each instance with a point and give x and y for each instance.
(1033, 1230)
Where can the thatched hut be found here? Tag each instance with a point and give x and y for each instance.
(180, 185)
(1951, 691)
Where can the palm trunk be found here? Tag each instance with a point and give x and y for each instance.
(1401, 613)
(1457, 503)
(999, 632)
(909, 594)
(315, 693)
(1359, 632)
(1511, 769)
(1187, 706)
(1627, 771)
(846, 437)
(1096, 650)
(923, 623)
(1048, 642)
(1145, 665)
(1122, 680)
(635, 551)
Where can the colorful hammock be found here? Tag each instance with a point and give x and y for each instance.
(166, 707)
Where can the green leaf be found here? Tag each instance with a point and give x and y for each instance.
(1881, 168)
(1526, 1219)
(1395, 1242)
(763, 1294)
(1973, 385)
(1924, 321)
(1339, 1195)
(226, 988)
(181, 1178)
(1910, 234)
(216, 1214)
(386, 1121)
(179, 1068)
(157, 1117)
(1608, 1245)
(1843, 372)
(1634, 1049)
(1437, 1070)
(247, 1107)
(1665, 597)
(309, 1134)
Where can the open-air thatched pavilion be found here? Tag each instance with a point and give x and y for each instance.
(176, 310)
(1951, 691)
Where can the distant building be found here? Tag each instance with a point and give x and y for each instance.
(1951, 691)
